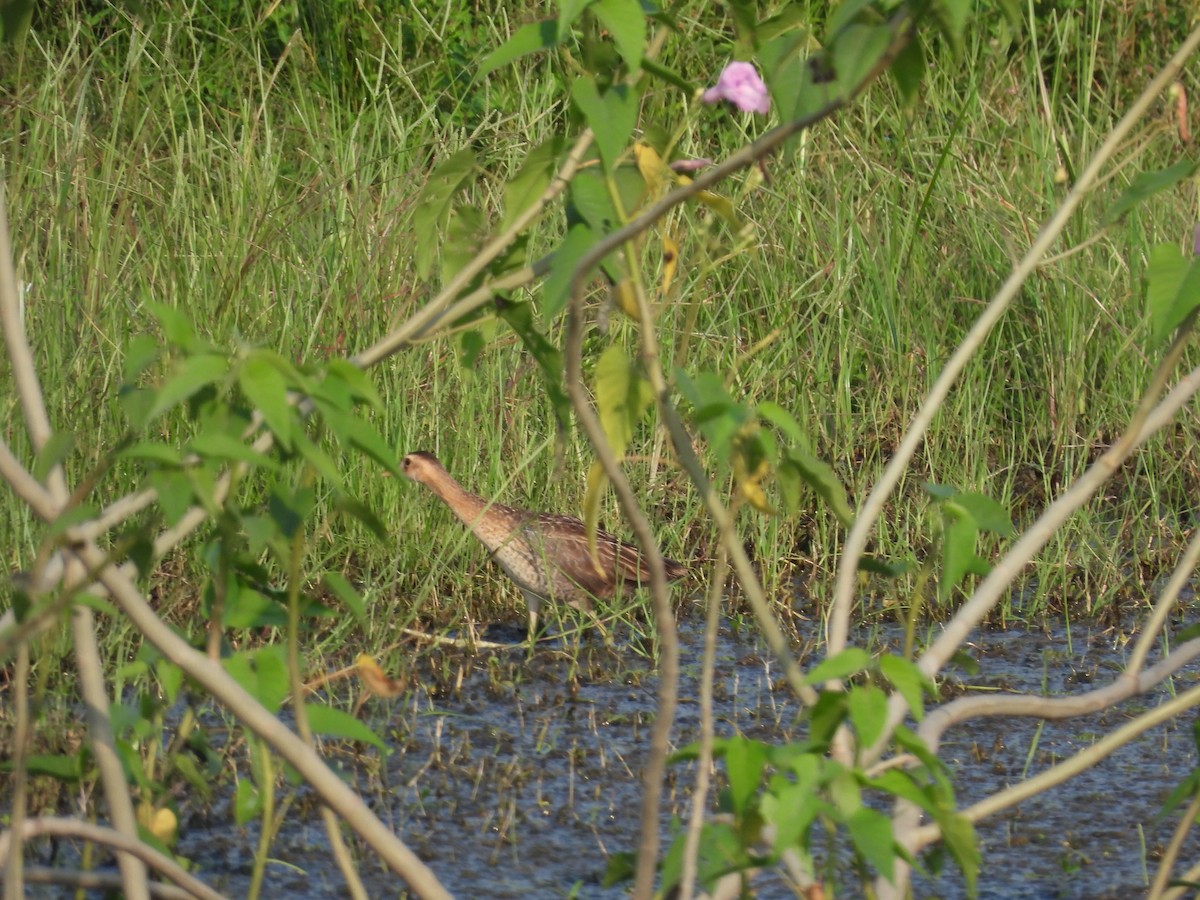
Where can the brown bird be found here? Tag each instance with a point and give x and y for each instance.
(546, 555)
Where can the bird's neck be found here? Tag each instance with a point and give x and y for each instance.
(462, 503)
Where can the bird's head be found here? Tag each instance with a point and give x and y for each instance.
(422, 467)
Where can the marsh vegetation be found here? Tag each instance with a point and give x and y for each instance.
(257, 256)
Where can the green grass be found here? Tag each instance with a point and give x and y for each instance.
(176, 163)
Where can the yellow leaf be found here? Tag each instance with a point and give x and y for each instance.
(597, 481)
(670, 262)
(161, 823)
(723, 207)
(656, 173)
(749, 481)
(625, 297)
(376, 680)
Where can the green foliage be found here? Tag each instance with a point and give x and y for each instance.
(1172, 290)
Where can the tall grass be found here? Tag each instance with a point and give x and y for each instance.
(185, 161)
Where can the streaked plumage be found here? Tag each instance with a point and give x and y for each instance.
(546, 555)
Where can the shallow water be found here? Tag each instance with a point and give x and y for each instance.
(520, 781)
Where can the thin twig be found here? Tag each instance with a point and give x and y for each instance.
(1171, 853)
(107, 882)
(712, 624)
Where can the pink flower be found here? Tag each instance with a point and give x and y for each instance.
(741, 86)
(690, 165)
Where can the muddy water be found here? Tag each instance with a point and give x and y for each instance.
(520, 779)
(526, 794)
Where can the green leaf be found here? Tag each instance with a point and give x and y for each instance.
(669, 75)
(720, 418)
(525, 40)
(262, 673)
(174, 489)
(346, 592)
(909, 70)
(433, 206)
(356, 380)
(901, 784)
(871, 832)
(888, 568)
(1172, 290)
(951, 16)
(186, 766)
(849, 662)
(99, 604)
(170, 677)
(939, 491)
(359, 434)
(959, 836)
(218, 445)
(348, 505)
(568, 12)
(265, 387)
(783, 420)
(558, 282)
(464, 234)
(319, 460)
(845, 791)
(15, 16)
(610, 117)
(1146, 185)
(958, 552)
(69, 518)
(792, 810)
(61, 766)
(845, 13)
(56, 449)
(248, 608)
(627, 25)
(247, 802)
(140, 352)
(136, 404)
(821, 478)
(192, 374)
(857, 51)
(622, 396)
(177, 328)
(987, 513)
(333, 722)
(868, 712)
(519, 317)
(152, 451)
(787, 71)
(531, 182)
(906, 677)
(744, 761)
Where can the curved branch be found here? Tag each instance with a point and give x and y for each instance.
(1120, 689)
(108, 837)
(1067, 769)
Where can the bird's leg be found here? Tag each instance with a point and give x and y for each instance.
(533, 618)
(534, 603)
